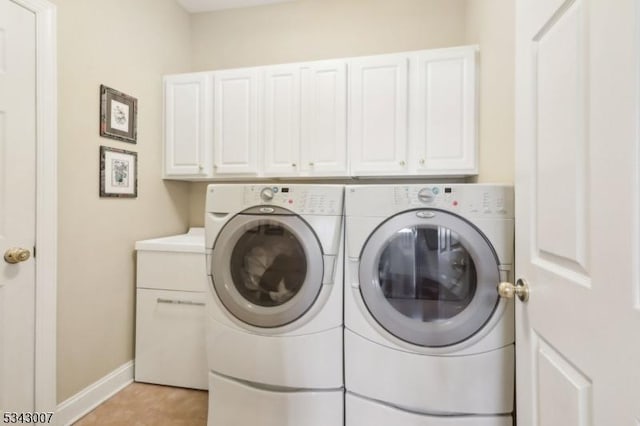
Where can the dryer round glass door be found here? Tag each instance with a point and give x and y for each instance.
(267, 270)
(429, 277)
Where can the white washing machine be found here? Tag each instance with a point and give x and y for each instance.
(428, 340)
(275, 312)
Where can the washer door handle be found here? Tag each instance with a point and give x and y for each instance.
(425, 215)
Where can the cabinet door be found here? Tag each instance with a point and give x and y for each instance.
(170, 338)
(187, 143)
(281, 120)
(324, 119)
(236, 126)
(378, 100)
(443, 106)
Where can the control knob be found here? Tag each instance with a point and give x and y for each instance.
(266, 194)
(426, 195)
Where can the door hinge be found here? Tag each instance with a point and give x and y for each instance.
(34, 252)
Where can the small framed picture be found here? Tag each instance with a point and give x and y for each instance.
(118, 115)
(118, 173)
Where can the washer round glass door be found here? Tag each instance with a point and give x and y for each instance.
(267, 269)
(429, 277)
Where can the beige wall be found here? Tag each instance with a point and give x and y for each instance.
(127, 45)
(490, 24)
(322, 29)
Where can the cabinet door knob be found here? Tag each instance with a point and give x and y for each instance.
(402, 163)
(293, 165)
(422, 161)
(200, 167)
(311, 164)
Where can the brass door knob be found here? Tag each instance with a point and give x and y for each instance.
(508, 290)
(16, 255)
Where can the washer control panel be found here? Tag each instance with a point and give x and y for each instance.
(301, 199)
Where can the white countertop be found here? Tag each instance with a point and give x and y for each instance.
(191, 242)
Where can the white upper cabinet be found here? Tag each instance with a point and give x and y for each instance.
(235, 117)
(414, 114)
(305, 115)
(187, 131)
(443, 111)
(281, 120)
(378, 116)
(324, 119)
(407, 114)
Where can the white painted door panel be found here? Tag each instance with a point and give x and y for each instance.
(577, 198)
(236, 122)
(324, 119)
(188, 125)
(170, 338)
(17, 204)
(281, 120)
(378, 104)
(443, 96)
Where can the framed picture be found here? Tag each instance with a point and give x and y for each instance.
(118, 115)
(118, 173)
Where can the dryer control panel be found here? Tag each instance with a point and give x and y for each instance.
(454, 198)
(465, 199)
(301, 199)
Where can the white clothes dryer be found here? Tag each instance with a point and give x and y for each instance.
(275, 306)
(428, 340)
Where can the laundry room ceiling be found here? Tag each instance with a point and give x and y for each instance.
(196, 6)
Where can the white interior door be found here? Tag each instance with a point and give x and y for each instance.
(17, 204)
(578, 345)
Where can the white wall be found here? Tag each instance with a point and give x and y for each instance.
(127, 45)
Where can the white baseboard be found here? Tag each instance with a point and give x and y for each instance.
(93, 395)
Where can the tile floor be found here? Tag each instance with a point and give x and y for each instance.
(141, 404)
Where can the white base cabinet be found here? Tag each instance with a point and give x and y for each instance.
(407, 114)
(170, 311)
(169, 338)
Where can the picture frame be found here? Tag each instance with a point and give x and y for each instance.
(118, 173)
(118, 115)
